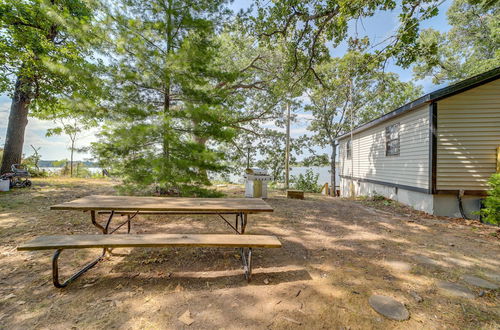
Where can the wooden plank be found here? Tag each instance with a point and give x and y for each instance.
(163, 212)
(149, 240)
(296, 194)
(132, 203)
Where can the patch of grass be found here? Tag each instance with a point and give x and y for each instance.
(9, 204)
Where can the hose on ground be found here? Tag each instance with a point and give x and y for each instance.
(460, 204)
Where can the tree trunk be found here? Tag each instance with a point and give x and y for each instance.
(167, 90)
(71, 160)
(18, 119)
(202, 141)
(333, 169)
(287, 148)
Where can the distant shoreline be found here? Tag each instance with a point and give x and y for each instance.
(50, 163)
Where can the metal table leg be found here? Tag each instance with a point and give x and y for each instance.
(246, 259)
(128, 223)
(237, 222)
(244, 219)
(106, 229)
(101, 228)
(55, 269)
(95, 223)
(235, 228)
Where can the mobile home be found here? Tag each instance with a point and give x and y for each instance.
(434, 154)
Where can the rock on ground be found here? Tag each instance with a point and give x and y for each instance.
(389, 307)
(455, 290)
(479, 282)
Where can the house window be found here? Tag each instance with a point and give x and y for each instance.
(348, 149)
(392, 140)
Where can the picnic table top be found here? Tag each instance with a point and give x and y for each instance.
(134, 203)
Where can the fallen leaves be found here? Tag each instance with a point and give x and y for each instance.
(186, 318)
(10, 295)
(291, 320)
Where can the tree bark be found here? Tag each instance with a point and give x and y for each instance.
(287, 147)
(71, 161)
(18, 119)
(202, 142)
(333, 169)
(167, 87)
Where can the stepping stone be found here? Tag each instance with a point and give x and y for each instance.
(477, 281)
(398, 266)
(455, 290)
(389, 307)
(493, 276)
(459, 262)
(426, 260)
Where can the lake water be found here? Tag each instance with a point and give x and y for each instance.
(92, 170)
(324, 173)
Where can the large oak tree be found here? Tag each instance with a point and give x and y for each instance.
(44, 57)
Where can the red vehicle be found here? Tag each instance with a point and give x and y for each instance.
(18, 177)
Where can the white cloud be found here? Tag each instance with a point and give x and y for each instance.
(51, 148)
(297, 131)
(304, 116)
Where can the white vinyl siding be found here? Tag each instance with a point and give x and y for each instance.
(409, 168)
(468, 133)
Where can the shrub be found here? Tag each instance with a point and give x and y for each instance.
(133, 189)
(37, 173)
(378, 198)
(491, 211)
(307, 182)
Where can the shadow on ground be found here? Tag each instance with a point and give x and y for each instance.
(336, 253)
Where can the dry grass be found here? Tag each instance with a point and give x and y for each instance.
(335, 254)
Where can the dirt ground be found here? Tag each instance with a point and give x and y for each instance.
(336, 253)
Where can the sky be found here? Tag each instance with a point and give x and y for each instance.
(377, 27)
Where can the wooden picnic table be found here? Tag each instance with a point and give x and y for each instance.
(132, 205)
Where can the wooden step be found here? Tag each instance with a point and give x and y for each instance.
(149, 240)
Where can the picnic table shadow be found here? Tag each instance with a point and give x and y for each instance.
(195, 267)
(196, 281)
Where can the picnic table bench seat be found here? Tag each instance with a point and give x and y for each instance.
(61, 242)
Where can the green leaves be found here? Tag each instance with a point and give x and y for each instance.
(167, 113)
(356, 91)
(491, 211)
(48, 44)
(54, 131)
(312, 28)
(307, 182)
(470, 47)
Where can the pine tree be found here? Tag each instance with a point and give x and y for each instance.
(167, 112)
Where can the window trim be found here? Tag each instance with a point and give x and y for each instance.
(348, 149)
(391, 139)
